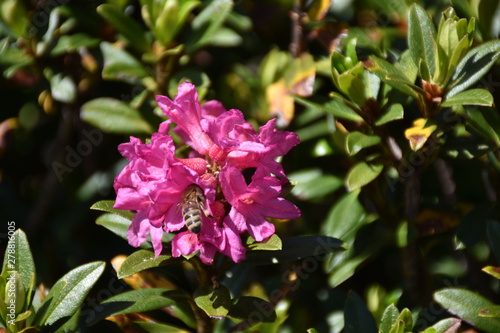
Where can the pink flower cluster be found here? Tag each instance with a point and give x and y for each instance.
(224, 145)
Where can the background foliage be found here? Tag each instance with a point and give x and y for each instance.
(394, 103)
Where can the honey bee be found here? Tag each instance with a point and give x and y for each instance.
(192, 206)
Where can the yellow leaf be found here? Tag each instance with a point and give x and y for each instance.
(280, 103)
(419, 133)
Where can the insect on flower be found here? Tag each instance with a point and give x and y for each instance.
(192, 205)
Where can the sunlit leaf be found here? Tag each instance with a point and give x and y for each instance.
(18, 257)
(215, 301)
(421, 39)
(362, 174)
(68, 293)
(470, 97)
(114, 116)
(393, 112)
(357, 141)
(492, 311)
(389, 319)
(120, 65)
(449, 325)
(141, 260)
(272, 244)
(493, 271)
(467, 305)
(313, 184)
(419, 133)
(71, 43)
(476, 63)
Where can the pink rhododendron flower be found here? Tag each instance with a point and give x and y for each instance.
(224, 144)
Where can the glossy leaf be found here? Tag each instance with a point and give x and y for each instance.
(114, 116)
(68, 293)
(389, 319)
(476, 63)
(141, 260)
(335, 107)
(214, 301)
(296, 248)
(253, 309)
(107, 206)
(120, 65)
(126, 26)
(394, 77)
(313, 184)
(421, 40)
(357, 318)
(470, 97)
(393, 112)
(467, 305)
(362, 174)
(21, 261)
(357, 141)
(140, 300)
(115, 223)
(273, 243)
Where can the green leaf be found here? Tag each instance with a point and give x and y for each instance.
(18, 257)
(253, 309)
(214, 301)
(353, 87)
(467, 305)
(357, 141)
(476, 63)
(141, 260)
(395, 77)
(362, 174)
(313, 184)
(114, 116)
(493, 230)
(115, 223)
(297, 248)
(14, 15)
(492, 311)
(129, 28)
(393, 112)
(121, 66)
(334, 106)
(172, 19)
(69, 292)
(140, 300)
(72, 43)
(62, 88)
(422, 40)
(273, 243)
(447, 325)
(357, 318)
(206, 24)
(389, 319)
(484, 122)
(470, 97)
(107, 206)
